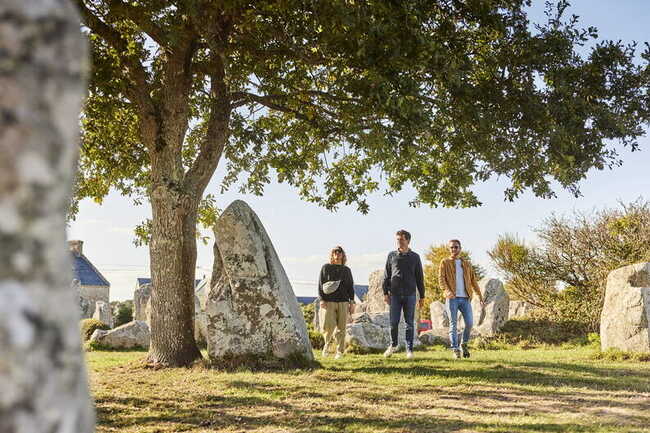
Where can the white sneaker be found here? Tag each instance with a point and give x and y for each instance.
(409, 354)
(390, 351)
(338, 355)
(324, 353)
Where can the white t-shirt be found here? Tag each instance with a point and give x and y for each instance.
(460, 280)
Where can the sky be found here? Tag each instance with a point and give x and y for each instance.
(304, 233)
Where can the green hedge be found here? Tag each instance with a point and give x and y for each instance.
(88, 326)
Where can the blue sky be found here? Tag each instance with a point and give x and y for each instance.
(303, 233)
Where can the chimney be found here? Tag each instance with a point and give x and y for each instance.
(76, 247)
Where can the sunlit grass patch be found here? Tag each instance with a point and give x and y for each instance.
(494, 391)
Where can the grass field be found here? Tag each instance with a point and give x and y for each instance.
(539, 390)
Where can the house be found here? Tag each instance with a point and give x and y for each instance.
(93, 286)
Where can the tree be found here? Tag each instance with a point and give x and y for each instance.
(42, 370)
(434, 255)
(330, 95)
(122, 312)
(565, 275)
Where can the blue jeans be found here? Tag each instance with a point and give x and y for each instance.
(397, 305)
(453, 307)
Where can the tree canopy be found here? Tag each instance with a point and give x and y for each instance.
(333, 96)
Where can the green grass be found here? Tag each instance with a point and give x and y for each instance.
(539, 390)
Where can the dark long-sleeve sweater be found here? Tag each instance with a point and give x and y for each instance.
(345, 291)
(403, 274)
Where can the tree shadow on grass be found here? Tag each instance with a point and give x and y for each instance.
(518, 373)
(209, 412)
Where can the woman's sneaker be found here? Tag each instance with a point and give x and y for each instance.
(409, 354)
(457, 354)
(465, 350)
(390, 351)
(338, 355)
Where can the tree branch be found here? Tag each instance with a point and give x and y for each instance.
(199, 174)
(269, 102)
(136, 72)
(140, 16)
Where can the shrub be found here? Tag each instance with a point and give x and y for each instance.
(88, 326)
(123, 313)
(316, 338)
(308, 313)
(565, 274)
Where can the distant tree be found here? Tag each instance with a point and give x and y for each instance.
(565, 274)
(122, 312)
(330, 96)
(434, 255)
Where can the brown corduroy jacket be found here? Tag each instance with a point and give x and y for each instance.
(447, 278)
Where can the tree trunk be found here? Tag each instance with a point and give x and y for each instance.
(43, 384)
(173, 261)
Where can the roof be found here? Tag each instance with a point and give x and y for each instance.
(360, 290)
(142, 281)
(86, 273)
(305, 300)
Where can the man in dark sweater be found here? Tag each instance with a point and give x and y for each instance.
(402, 276)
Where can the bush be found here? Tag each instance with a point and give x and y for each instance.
(564, 275)
(123, 313)
(308, 313)
(316, 339)
(88, 326)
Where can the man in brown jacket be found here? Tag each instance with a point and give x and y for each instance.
(458, 281)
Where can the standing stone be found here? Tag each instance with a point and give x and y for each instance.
(200, 323)
(374, 302)
(626, 311)
(519, 309)
(488, 320)
(104, 313)
(439, 316)
(141, 297)
(43, 384)
(252, 312)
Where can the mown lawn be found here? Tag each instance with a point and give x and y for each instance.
(494, 391)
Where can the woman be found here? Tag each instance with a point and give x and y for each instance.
(336, 294)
